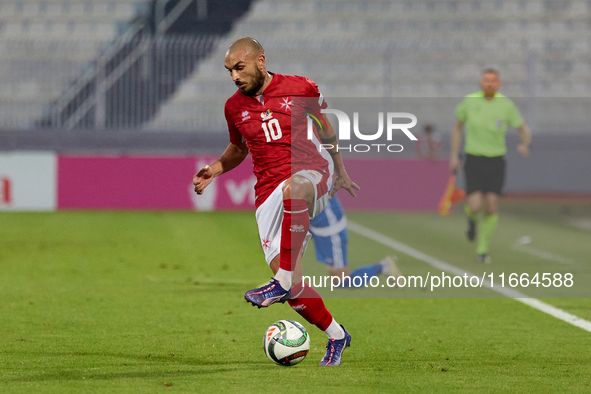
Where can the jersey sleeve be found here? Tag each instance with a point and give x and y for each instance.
(461, 111)
(313, 91)
(235, 136)
(515, 118)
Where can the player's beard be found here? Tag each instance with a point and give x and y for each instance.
(257, 83)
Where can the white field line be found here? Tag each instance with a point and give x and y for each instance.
(443, 266)
(542, 254)
(582, 223)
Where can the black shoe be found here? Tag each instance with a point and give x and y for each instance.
(471, 231)
(483, 258)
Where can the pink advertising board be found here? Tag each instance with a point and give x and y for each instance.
(158, 182)
(152, 183)
(399, 184)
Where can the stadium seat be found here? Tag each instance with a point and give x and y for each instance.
(402, 48)
(45, 45)
(433, 48)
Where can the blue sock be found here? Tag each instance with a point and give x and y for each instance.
(369, 270)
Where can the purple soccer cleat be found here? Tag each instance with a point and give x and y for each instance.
(335, 349)
(267, 295)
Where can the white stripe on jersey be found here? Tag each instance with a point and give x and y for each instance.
(337, 249)
(337, 252)
(330, 229)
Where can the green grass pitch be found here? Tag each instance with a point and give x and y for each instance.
(152, 302)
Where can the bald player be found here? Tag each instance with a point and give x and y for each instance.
(486, 115)
(292, 184)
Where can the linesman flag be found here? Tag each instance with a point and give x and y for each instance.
(451, 196)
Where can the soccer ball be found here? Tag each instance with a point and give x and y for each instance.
(286, 343)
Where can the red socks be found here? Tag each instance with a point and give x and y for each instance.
(307, 302)
(310, 306)
(294, 228)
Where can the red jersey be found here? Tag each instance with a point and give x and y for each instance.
(265, 124)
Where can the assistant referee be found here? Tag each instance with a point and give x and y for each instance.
(486, 116)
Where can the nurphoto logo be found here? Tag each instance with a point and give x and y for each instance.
(393, 124)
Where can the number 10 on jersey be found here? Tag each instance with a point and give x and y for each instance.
(272, 130)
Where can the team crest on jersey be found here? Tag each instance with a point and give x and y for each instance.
(267, 115)
(286, 104)
(245, 115)
(265, 243)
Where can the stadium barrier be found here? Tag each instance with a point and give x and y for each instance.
(149, 182)
(48, 181)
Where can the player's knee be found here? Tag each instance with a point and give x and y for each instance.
(300, 188)
(475, 207)
(475, 201)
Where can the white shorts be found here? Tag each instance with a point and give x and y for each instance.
(269, 215)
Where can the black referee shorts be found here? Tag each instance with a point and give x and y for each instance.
(485, 174)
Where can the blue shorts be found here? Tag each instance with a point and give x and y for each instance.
(329, 231)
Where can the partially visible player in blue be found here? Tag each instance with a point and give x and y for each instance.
(329, 231)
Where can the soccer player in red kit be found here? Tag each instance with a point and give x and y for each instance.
(294, 179)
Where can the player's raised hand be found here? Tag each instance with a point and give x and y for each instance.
(202, 179)
(342, 181)
(523, 149)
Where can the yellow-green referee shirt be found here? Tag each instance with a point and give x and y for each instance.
(486, 123)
